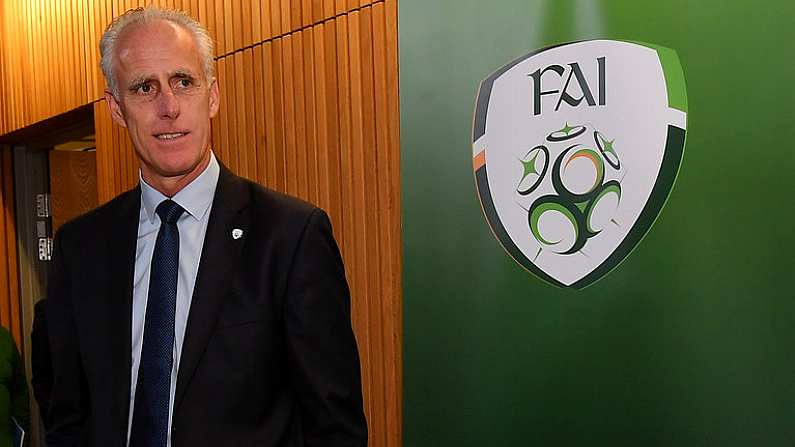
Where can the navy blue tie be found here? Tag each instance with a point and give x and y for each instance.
(152, 391)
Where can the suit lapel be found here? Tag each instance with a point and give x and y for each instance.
(121, 261)
(219, 258)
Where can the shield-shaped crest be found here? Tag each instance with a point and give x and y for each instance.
(575, 150)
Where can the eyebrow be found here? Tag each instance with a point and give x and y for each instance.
(178, 73)
(140, 80)
(182, 74)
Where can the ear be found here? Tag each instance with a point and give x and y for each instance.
(214, 98)
(115, 109)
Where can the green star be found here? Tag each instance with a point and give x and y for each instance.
(566, 129)
(608, 145)
(529, 166)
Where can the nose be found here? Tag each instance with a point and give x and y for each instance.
(168, 105)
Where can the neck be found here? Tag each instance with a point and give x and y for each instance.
(170, 186)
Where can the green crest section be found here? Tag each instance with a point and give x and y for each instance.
(674, 76)
(687, 342)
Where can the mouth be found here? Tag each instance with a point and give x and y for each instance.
(170, 136)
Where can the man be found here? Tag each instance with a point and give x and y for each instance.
(198, 309)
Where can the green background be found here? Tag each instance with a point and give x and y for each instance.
(690, 340)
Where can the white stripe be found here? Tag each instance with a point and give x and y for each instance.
(678, 118)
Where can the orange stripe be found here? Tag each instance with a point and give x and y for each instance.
(479, 160)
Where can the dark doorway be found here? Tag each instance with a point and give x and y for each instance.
(55, 180)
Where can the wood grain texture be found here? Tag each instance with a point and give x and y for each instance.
(51, 46)
(309, 106)
(10, 316)
(73, 185)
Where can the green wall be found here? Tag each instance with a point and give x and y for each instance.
(690, 340)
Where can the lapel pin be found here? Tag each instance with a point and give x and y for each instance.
(237, 233)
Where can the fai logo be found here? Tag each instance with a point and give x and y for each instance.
(575, 149)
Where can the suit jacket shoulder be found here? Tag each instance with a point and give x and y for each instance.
(270, 204)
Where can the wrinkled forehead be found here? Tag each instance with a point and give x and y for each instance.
(158, 44)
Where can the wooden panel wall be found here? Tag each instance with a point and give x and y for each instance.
(48, 59)
(73, 185)
(309, 106)
(9, 284)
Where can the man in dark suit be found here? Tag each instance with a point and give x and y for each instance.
(198, 309)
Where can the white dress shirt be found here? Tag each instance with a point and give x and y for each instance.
(196, 198)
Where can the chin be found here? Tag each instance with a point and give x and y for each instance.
(173, 166)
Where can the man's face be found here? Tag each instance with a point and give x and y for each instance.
(164, 102)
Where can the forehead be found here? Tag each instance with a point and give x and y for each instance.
(155, 47)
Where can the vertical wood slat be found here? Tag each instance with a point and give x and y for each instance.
(228, 26)
(332, 125)
(340, 6)
(104, 192)
(18, 80)
(9, 286)
(83, 12)
(10, 113)
(256, 22)
(288, 103)
(220, 38)
(248, 151)
(60, 59)
(328, 8)
(32, 54)
(355, 166)
(296, 161)
(276, 127)
(370, 174)
(310, 113)
(260, 136)
(9, 78)
(245, 24)
(25, 60)
(230, 150)
(241, 144)
(22, 58)
(223, 134)
(266, 21)
(99, 24)
(74, 62)
(394, 311)
(40, 60)
(285, 16)
(238, 29)
(321, 117)
(271, 90)
(115, 151)
(86, 81)
(5, 261)
(3, 112)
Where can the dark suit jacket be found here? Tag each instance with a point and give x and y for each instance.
(41, 373)
(269, 357)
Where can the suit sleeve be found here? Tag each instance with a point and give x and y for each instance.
(68, 407)
(322, 353)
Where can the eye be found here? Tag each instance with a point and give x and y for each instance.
(184, 82)
(144, 89)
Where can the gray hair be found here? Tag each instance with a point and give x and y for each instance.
(107, 45)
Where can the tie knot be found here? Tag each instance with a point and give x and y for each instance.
(169, 211)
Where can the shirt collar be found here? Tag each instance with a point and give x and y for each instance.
(195, 198)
